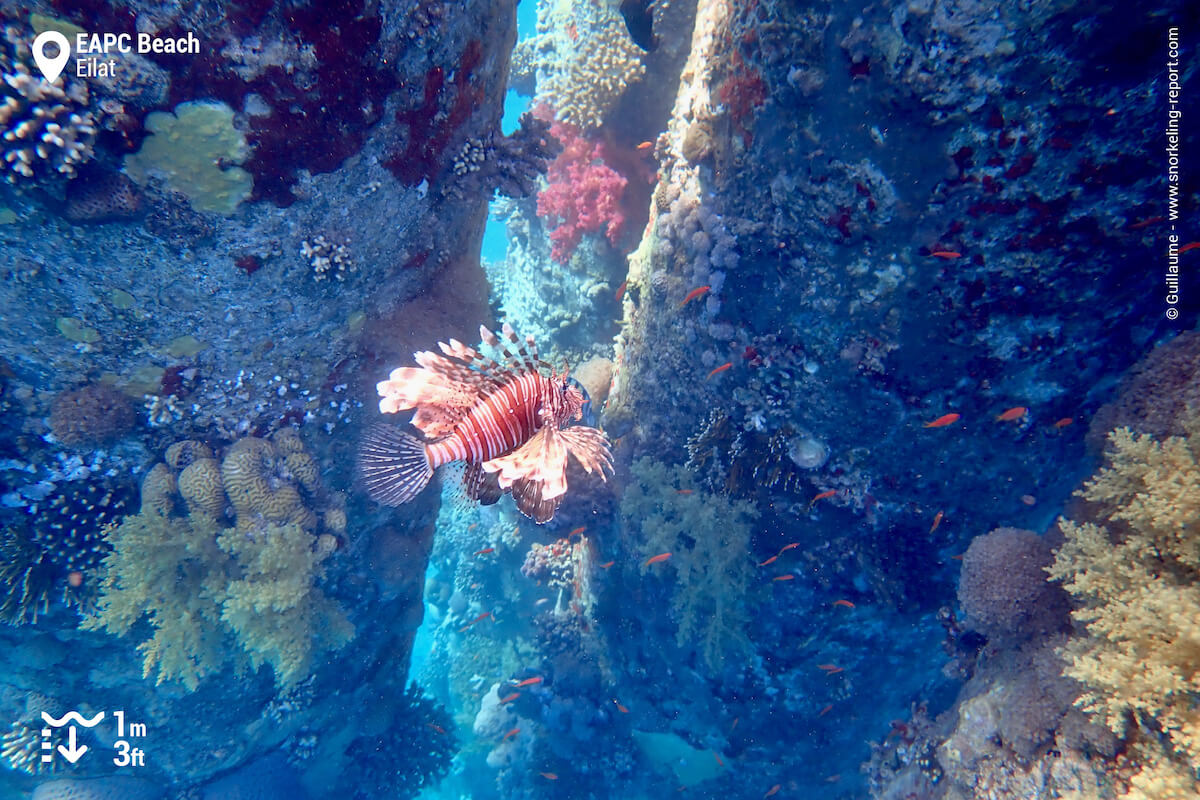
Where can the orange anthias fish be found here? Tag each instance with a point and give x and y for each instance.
(550, 776)
(656, 559)
(845, 603)
(720, 369)
(830, 669)
(645, 146)
(1012, 414)
(510, 734)
(484, 551)
(509, 698)
(822, 496)
(510, 423)
(946, 254)
(1064, 422)
(1188, 246)
(693, 294)
(943, 420)
(772, 791)
(937, 520)
(528, 682)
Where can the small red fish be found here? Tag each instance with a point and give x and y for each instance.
(577, 531)
(770, 560)
(719, 369)
(943, 420)
(1188, 246)
(1012, 414)
(825, 710)
(830, 668)
(620, 291)
(1064, 422)
(1145, 223)
(437, 728)
(510, 734)
(472, 526)
(937, 520)
(787, 547)
(788, 577)
(693, 294)
(550, 776)
(772, 791)
(735, 723)
(845, 603)
(620, 707)
(684, 491)
(823, 495)
(656, 559)
(946, 254)
(480, 618)
(717, 756)
(607, 564)
(509, 698)
(484, 551)
(645, 145)
(528, 682)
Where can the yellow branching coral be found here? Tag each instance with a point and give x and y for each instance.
(1137, 581)
(216, 597)
(708, 536)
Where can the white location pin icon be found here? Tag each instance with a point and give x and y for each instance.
(51, 67)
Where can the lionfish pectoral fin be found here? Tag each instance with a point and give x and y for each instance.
(536, 473)
(393, 464)
(480, 485)
(590, 448)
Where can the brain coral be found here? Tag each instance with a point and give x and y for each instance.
(1003, 588)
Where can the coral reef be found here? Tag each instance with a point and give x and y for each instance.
(584, 61)
(707, 536)
(203, 586)
(186, 152)
(583, 195)
(1003, 588)
(1156, 395)
(1135, 578)
(47, 127)
(506, 165)
(92, 415)
(412, 754)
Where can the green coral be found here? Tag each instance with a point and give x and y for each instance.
(708, 536)
(1136, 578)
(216, 597)
(186, 152)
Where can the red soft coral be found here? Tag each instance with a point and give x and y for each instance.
(584, 195)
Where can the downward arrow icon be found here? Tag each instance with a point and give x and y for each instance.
(72, 752)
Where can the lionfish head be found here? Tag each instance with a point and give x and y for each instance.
(570, 399)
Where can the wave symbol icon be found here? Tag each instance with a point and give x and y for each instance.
(73, 716)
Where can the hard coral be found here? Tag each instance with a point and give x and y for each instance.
(1003, 588)
(584, 194)
(90, 416)
(46, 127)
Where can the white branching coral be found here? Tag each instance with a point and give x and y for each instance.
(327, 258)
(46, 128)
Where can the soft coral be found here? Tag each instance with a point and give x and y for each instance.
(583, 196)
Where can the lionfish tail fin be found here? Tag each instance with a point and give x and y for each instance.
(393, 464)
(590, 448)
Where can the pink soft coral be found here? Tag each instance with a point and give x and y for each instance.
(584, 194)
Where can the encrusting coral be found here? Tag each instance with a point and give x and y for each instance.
(708, 536)
(244, 595)
(1137, 581)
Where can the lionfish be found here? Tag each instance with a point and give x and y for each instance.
(507, 423)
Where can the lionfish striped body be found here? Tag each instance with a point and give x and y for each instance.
(507, 423)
